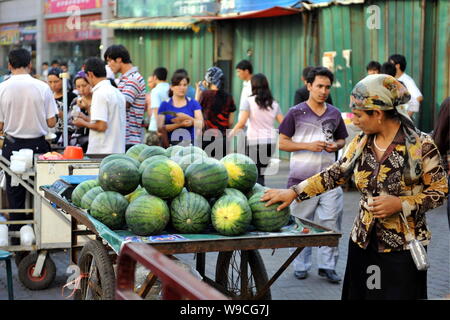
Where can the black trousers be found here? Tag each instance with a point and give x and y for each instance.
(17, 195)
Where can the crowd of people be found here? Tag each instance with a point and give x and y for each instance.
(396, 168)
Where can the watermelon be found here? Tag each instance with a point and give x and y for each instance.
(151, 151)
(163, 178)
(119, 175)
(207, 177)
(189, 150)
(89, 196)
(188, 159)
(267, 219)
(234, 193)
(256, 188)
(109, 208)
(81, 189)
(135, 150)
(147, 161)
(136, 194)
(242, 171)
(190, 213)
(173, 150)
(231, 216)
(116, 156)
(147, 215)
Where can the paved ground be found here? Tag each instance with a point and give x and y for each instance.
(287, 287)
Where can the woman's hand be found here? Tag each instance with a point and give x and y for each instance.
(187, 123)
(286, 196)
(385, 206)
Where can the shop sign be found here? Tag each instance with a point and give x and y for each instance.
(166, 8)
(28, 32)
(62, 29)
(9, 34)
(235, 6)
(58, 6)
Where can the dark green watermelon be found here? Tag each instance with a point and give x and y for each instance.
(89, 196)
(256, 188)
(109, 208)
(173, 150)
(191, 149)
(116, 156)
(81, 189)
(242, 171)
(149, 160)
(119, 175)
(267, 219)
(151, 151)
(189, 159)
(234, 193)
(207, 177)
(147, 215)
(136, 194)
(163, 178)
(231, 216)
(190, 213)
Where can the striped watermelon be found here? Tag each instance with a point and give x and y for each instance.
(207, 177)
(267, 219)
(136, 194)
(189, 150)
(119, 175)
(81, 189)
(135, 150)
(89, 196)
(190, 213)
(173, 150)
(149, 160)
(163, 178)
(147, 215)
(109, 208)
(242, 171)
(151, 151)
(256, 188)
(116, 156)
(231, 216)
(188, 159)
(234, 193)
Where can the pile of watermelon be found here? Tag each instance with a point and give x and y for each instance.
(149, 188)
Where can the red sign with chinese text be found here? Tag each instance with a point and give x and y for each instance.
(58, 6)
(68, 29)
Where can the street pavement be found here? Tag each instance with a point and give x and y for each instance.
(287, 287)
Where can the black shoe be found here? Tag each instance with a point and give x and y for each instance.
(301, 274)
(331, 275)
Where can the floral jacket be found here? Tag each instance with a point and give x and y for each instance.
(373, 178)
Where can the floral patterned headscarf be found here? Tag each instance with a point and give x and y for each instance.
(384, 92)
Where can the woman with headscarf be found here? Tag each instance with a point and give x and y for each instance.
(218, 112)
(398, 171)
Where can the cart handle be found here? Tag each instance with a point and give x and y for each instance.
(177, 283)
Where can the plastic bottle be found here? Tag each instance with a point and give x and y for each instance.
(4, 239)
(26, 236)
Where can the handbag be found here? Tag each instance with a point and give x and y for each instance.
(418, 252)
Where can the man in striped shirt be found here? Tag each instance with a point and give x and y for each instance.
(132, 86)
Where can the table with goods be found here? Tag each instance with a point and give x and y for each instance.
(179, 200)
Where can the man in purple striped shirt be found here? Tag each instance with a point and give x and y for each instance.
(132, 86)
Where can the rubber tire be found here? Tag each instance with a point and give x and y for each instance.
(256, 266)
(19, 255)
(48, 272)
(97, 251)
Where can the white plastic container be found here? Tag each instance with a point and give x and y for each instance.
(28, 153)
(18, 166)
(4, 239)
(27, 237)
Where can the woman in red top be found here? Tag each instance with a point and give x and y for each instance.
(218, 112)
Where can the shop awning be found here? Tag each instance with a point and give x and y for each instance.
(176, 23)
(265, 13)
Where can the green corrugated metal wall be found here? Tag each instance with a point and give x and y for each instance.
(172, 49)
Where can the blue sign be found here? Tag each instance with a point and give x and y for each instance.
(234, 6)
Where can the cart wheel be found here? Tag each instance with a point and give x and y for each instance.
(26, 269)
(19, 255)
(99, 283)
(242, 274)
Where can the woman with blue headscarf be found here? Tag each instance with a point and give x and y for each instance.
(218, 112)
(398, 171)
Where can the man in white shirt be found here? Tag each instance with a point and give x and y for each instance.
(244, 71)
(27, 111)
(416, 96)
(107, 121)
(159, 93)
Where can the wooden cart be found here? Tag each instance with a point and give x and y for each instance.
(240, 271)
